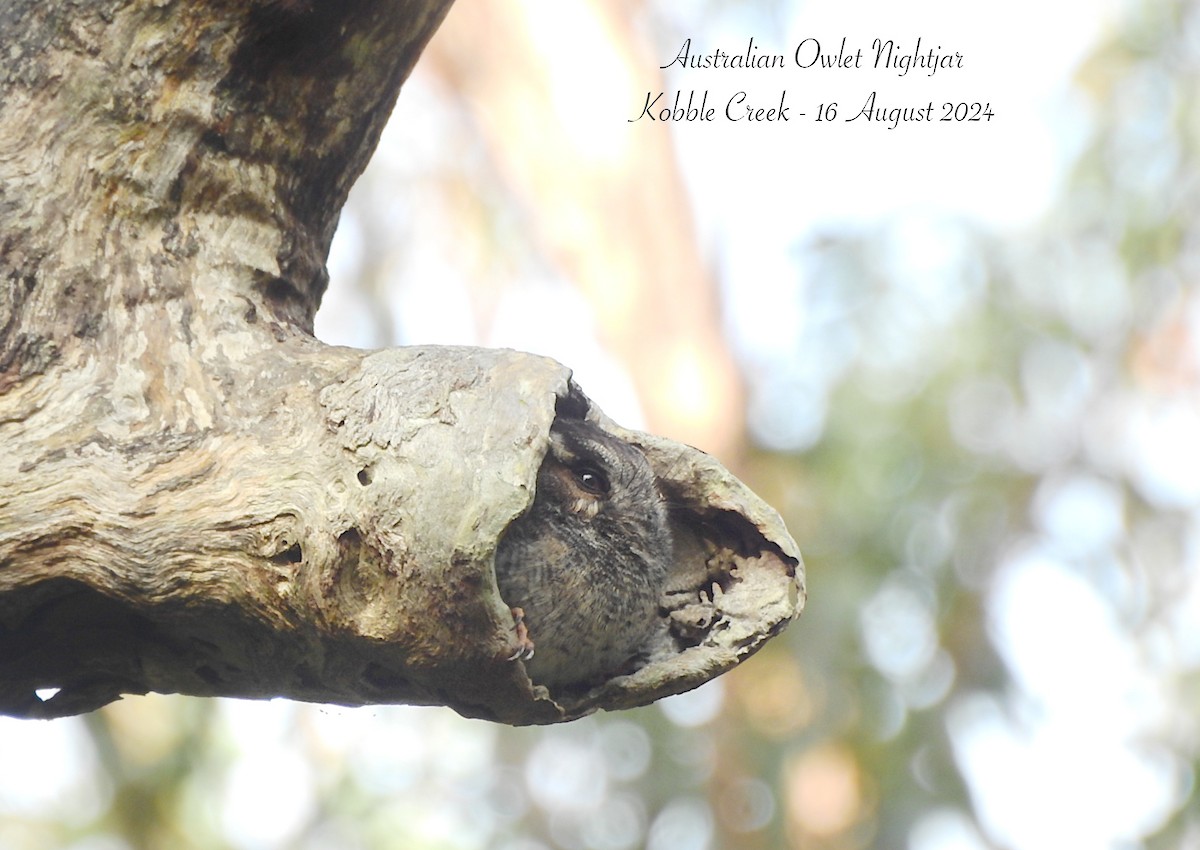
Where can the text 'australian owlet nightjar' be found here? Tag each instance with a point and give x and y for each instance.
(585, 565)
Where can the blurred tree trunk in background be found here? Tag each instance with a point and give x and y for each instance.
(609, 207)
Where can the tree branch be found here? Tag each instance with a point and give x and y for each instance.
(196, 496)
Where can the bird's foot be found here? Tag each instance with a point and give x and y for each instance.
(524, 650)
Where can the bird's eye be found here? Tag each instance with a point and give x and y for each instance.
(591, 479)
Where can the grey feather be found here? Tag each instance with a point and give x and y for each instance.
(587, 562)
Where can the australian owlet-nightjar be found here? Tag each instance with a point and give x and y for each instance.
(584, 567)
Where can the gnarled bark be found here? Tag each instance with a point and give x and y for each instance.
(196, 496)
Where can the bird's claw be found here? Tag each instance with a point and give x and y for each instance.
(524, 651)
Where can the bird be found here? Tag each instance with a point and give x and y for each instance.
(584, 567)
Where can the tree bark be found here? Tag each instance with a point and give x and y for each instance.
(196, 496)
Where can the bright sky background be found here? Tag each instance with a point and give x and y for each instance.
(1062, 765)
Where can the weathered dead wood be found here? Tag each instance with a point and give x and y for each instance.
(198, 497)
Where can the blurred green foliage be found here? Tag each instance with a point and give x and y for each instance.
(955, 393)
